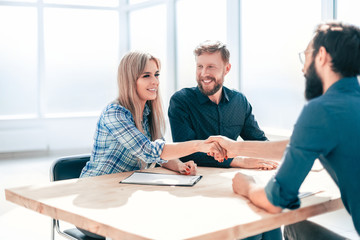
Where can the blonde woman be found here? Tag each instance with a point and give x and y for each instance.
(130, 129)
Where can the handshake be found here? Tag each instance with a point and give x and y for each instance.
(219, 147)
(263, 155)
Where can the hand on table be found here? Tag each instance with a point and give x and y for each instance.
(254, 163)
(241, 184)
(188, 168)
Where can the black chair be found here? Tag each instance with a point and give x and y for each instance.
(68, 168)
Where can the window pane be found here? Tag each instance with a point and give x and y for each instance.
(348, 11)
(148, 34)
(81, 58)
(271, 71)
(137, 1)
(195, 25)
(18, 61)
(98, 3)
(27, 1)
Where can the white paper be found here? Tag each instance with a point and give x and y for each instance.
(161, 179)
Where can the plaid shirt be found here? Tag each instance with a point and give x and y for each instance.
(119, 146)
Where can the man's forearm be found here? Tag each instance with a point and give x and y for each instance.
(258, 197)
(246, 186)
(259, 149)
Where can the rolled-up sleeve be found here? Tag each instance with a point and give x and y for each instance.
(279, 197)
(122, 127)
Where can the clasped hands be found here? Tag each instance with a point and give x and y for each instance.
(219, 147)
(222, 148)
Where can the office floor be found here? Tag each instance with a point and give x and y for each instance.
(20, 223)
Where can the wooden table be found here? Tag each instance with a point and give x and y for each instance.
(208, 210)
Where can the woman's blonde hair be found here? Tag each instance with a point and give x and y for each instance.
(131, 67)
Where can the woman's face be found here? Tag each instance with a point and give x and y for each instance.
(148, 83)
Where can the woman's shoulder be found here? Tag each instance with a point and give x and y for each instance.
(115, 106)
(116, 109)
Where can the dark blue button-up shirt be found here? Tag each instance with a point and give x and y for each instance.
(193, 116)
(329, 129)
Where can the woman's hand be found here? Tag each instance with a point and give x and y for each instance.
(224, 143)
(188, 168)
(212, 148)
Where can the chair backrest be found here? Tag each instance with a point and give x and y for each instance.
(68, 167)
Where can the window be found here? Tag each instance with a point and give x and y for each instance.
(58, 68)
(99, 3)
(18, 62)
(57, 61)
(347, 11)
(271, 72)
(148, 34)
(59, 58)
(195, 26)
(137, 1)
(81, 58)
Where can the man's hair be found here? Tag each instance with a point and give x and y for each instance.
(342, 42)
(213, 47)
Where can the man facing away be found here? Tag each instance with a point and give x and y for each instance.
(212, 109)
(328, 129)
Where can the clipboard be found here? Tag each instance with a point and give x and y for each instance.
(160, 179)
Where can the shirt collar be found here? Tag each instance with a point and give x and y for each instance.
(145, 121)
(348, 83)
(146, 110)
(203, 98)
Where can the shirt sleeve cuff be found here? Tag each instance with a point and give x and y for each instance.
(227, 163)
(278, 197)
(160, 143)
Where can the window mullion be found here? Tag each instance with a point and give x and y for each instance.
(41, 98)
(328, 10)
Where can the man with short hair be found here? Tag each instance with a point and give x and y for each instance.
(328, 129)
(212, 109)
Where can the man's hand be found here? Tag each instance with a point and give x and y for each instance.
(225, 143)
(254, 163)
(255, 149)
(212, 148)
(245, 186)
(188, 168)
(242, 183)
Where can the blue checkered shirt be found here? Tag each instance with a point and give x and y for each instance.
(119, 146)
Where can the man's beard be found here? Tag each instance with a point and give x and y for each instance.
(313, 84)
(212, 91)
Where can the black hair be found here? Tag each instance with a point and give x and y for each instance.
(342, 42)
